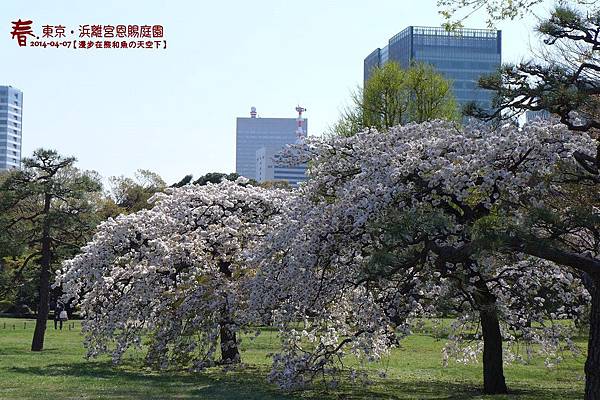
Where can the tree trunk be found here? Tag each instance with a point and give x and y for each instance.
(229, 348)
(42, 312)
(592, 364)
(493, 370)
(37, 343)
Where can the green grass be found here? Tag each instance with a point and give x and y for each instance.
(414, 372)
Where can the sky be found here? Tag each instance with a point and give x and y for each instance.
(173, 110)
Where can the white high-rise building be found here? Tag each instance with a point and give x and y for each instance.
(11, 114)
(268, 168)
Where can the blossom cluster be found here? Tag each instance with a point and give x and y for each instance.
(176, 271)
(385, 230)
(389, 229)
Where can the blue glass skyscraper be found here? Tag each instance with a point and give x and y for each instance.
(11, 114)
(462, 56)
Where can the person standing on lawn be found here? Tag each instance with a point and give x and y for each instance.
(58, 315)
(64, 317)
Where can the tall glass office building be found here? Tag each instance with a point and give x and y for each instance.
(11, 113)
(462, 56)
(254, 133)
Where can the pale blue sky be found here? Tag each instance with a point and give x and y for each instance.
(173, 111)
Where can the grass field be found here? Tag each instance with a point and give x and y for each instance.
(414, 372)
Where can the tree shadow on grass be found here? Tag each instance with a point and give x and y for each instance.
(100, 379)
(427, 389)
(15, 351)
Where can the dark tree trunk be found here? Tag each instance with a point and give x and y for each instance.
(592, 364)
(493, 369)
(42, 312)
(37, 343)
(229, 348)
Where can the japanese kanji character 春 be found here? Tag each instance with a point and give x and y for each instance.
(21, 29)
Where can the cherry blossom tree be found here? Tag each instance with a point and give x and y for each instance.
(564, 81)
(176, 272)
(388, 220)
(388, 225)
(564, 228)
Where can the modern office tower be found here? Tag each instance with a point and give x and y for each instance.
(11, 113)
(462, 56)
(255, 133)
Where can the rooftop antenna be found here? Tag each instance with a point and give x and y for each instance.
(300, 129)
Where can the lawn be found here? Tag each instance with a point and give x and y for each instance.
(414, 372)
